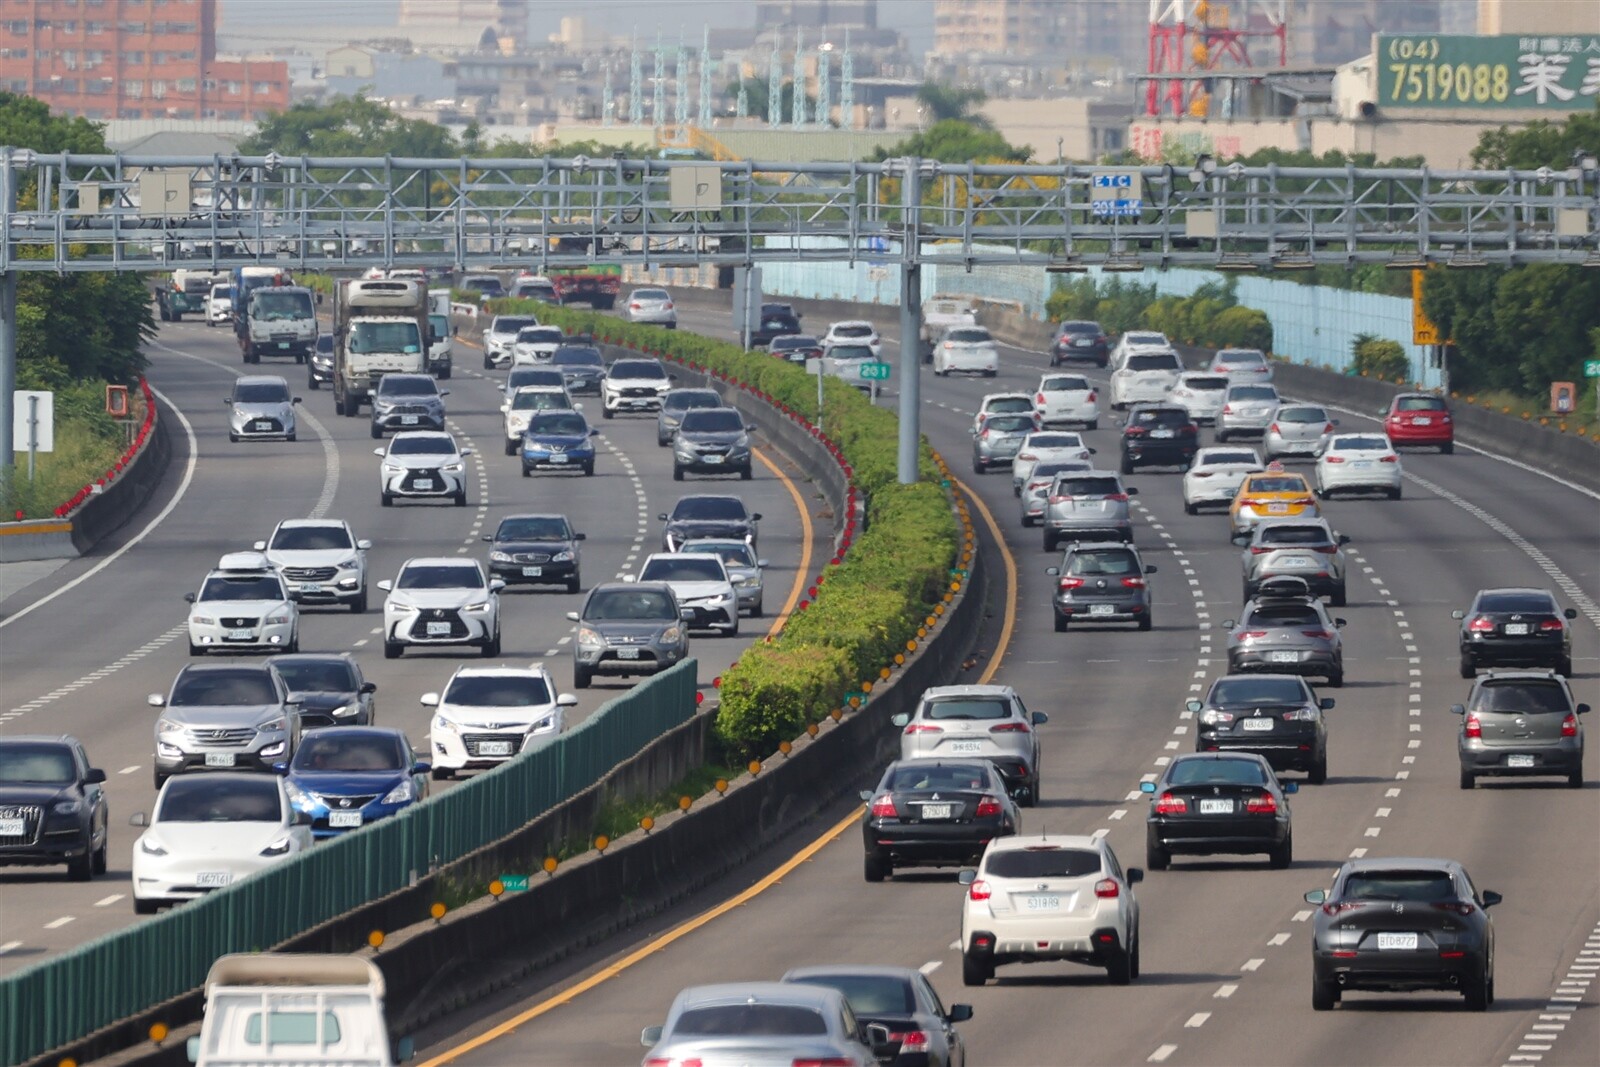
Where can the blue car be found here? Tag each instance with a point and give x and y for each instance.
(347, 776)
(558, 440)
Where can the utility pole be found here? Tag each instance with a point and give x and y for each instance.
(8, 324)
(910, 323)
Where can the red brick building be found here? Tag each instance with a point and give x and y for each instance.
(132, 59)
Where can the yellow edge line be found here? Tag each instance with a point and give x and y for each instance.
(805, 542)
(1009, 623)
(35, 528)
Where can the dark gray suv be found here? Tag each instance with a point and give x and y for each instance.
(1522, 723)
(1101, 581)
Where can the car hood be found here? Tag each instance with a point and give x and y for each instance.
(318, 700)
(248, 411)
(310, 557)
(498, 718)
(429, 461)
(424, 401)
(696, 590)
(235, 607)
(221, 715)
(223, 840)
(440, 598)
(563, 440)
(627, 628)
(654, 383)
(696, 528)
(551, 547)
(42, 793)
(348, 783)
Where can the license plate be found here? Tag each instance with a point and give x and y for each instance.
(1401, 942)
(261, 427)
(1216, 807)
(213, 879)
(714, 459)
(1042, 902)
(1256, 724)
(240, 635)
(627, 653)
(1361, 465)
(1296, 561)
(12, 828)
(936, 811)
(964, 747)
(1519, 761)
(1516, 628)
(438, 629)
(1102, 609)
(1277, 509)
(339, 820)
(558, 457)
(408, 420)
(1283, 657)
(219, 759)
(494, 748)
(311, 587)
(283, 344)
(422, 483)
(532, 572)
(1161, 433)
(1422, 422)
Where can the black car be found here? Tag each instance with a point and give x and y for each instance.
(1214, 803)
(536, 549)
(712, 441)
(1515, 628)
(330, 687)
(546, 377)
(319, 368)
(52, 806)
(1080, 340)
(934, 813)
(777, 320)
(581, 368)
(695, 517)
(1158, 435)
(796, 347)
(922, 1032)
(1275, 716)
(1400, 925)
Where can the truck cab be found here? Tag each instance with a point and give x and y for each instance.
(380, 327)
(280, 321)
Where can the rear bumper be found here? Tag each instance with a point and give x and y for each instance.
(1073, 941)
(1161, 453)
(1210, 837)
(930, 845)
(1511, 652)
(1560, 759)
(1396, 972)
(1285, 752)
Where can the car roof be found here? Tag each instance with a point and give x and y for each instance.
(1191, 757)
(863, 970)
(440, 561)
(1261, 676)
(1384, 863)
(709, 496)
(817, 997)
(534, 669)
(1017, 842)
(537, 387)
(1007, 396)
(230, 665)
(939, 691)
(1074, 546)
(1516, 589)
(311, 657)
(1526, 674)
(366, 731)
(261, 379)
(244, 562)
(1156, 405)
(412, 435)
(292, 524)
(535, 515)
(851, 322)
(36, 739)
(681, 555)
(662, 587)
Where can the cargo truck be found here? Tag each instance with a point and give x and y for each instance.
(380, 326)
(280, 321)
(441, 343)
(246, 280)
(186, 293)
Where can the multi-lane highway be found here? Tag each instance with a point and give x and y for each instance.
(82, 661)
(1226, 955)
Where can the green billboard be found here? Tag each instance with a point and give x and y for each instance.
(1503, 73)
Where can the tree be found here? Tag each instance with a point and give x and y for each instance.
(955, 141)
(1539, 144)
(945, 103)
(348, 126)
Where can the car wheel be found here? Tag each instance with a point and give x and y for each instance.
(312, 383)
(588, 469)
(745, 474)
(581, 677)
(607, 412)
(1468, 668)
(491, 648)
(1146, 622)
(145, 907)
(661, 442)
(1575, 779)
(1092, 424)
(677, 473)
(1318, 774)
(1061, 623)
(160, 780)
(1446, 449)
(488, 364)
(1336, 598)
(196, 650)
(1468, 780)
(233, 437)
(1133, 957)
(574, 584)
(1190, 509)
(100, 860)
(1336, 678)
(358, 606)
(1394, 494)
(990, 373)
(1155, 857)
(875, 868)
(444, 375)
(1564, 666)
(1249, 591)
(1281, 857)
(392, 649)
(757, 611)
(377, 431)
(1324, 995)
(460, 499)
(1120, 968)
(1477, 993)
(974, 971)
(977, 466)
(290, 437)
(1222, 437)
(511, 447)
(1126, 466)
(80, 868)
(443, 774)
(1027, 520)
(1049, 542)
(387, 499)
(294, 644)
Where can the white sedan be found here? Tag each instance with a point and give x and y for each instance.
(1215, 476)
(967, 350)
(488, 715)
(1357, 463)
(854, 332)
(210, 830)
(1066, 398)
(1045, 446)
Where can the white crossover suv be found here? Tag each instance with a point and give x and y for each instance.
(320, 561)
(441, 601)
(242, 606)
(487, 715)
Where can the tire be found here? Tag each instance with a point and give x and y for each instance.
(974, 972)
(1318, 774)
(80, 868)
(990, 373)
(443, 774)
(1394, 494)
(1337, 597)
(1126, 465)
(338, 404)
(1564, 666)
(1336, 678)
(875, 868)
(978, 467)
(358, 606)
(1156, 858)
(677, 473)
(312, 383)
(1447, 449)
(733, 628)
(100, 859)
(388, 500)
(290, 437)
(661, 442)
(1249, 590)
(607, 412)
(588, 469)
(1028, 520)
(460, 499)
(1281, 857)
(145, 907)
(1468, 780)
(444, 375)
(745, 474)
(1092, 424)
(1190, 509)
(491, 648)
(1120, 970)
(488, 364)
(757, 611)
(1324, 995)
(1049, 542)
(294, 645)
(160, 780)
(1477, 993)
(196, 650)
(392, 649)
(1222, 437)
(511, 447)
(574, 584)
(1146, 622)
(1468, 668)
(377, 431)
(233, 437)
(1062, 622)
(1575, 779)
(581, 677)
(527, 472)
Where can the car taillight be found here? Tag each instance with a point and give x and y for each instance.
(1569, 726)
(1133, 583)
(988, 806)
(1481, 624)
(1227, 409)
(822, 1061)
(985, 432)
(1010, 728)
(1334, 459)
(1093, 396)
(1261, 805)
(1303, 501)
(1388, 459)
(1320, 635)
(911, 1040)
(635, 306)
(1133, 431)
(1060, 499)
(1171, 805)
(1273, 428)
(924, 728)
(979, 890)
(1473, 727)
(1027, 455)
(883, 807)
(1040, 400)
(1551, 625)
(1457, 906)
(667, 306)
(1260, 550)
(1251, 635)
(1071, 583)
(1247, 502)
(1121, 498)
(1326, 550)
(1106, 888)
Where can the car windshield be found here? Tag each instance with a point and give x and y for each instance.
(1240, 356)
(1269, 616)
(28, 762)
(540, 335)
(311, 538)
(1010, 424)
(732, 553)
(794, 340)
(242, 587)
(1139, 338)
(609, 605)
(1279, 534)
(439, 326)
(405, 445)
(221, 798)
(869, 994)
(1065, 385)
(1423, 885)
(577, 357)
(406, 385)
(1154, 361)
(1252, 392)
(858, 330)
(1301, 415)
(550, 379)
(967, 708)
(687, 399)
(336, 750)
(325, 343)
(1103, 561)
(1216, 771)
(384, 337)
(533, 528)
(637, 368)
(261, 393)
(1419, 403)
(222, 292)
(649, 294)
(969, 336)
(237, 687)
(540, 400)
(1054, 440)
(559, 424)
(1080, 327)
(1534, 698)
(1087, 487)
(1159, 417)
(512, 324)
(271, 304)
(683, 570)
(1290, 483)
(1232, 691)
(710, 509)
(318, 676)
(1042, 861)
(1360, 444)
(1519, 603)
(440, 576)
(1221, 458)
(751, 1020)
(718, 421)
(497, 691)
(1206, 384)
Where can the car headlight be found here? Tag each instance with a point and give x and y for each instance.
(561, 557)
(150, 846)
(346, 710)
(351, 564)
(451, 468)
(546, 723)
(683, 448)
(68, 807)
(277, 725)
(480, 607)
(202, 620)
(444, 724)
(589, 637)
(279, 847)
(166, 750)
(496, 556)
(401, 794)
(279, 619)
(167, 726)
(298, 797)
(671, 635)
(391, 468)
(750, 582)
(277, 748)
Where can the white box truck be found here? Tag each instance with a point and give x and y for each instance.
(441, 346)
(380, 326)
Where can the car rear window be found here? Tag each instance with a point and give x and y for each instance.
(1252, 392)
(1294, 535)
(1283, 615)
(1216, 771)
(1240, 355)
(1360, 444)
(869, 994)
(1154, 361)
(1112, 561)
(1159, 417)
(1292, 483)
(1042, 861)
(1008, 403)
(1258, 691)
(1535, 698)
(1519, 603)
(262, 393)
(765, 1020)
(1010, 424)
(1418, 885)
(1419, 403)
(966, 708)
(1301, 415)
(925, 774)
(1080, 327)
(1207, 385)
(1089, 487)
(1055, 440)
(969, 336)
(1231, 457)
(1063, 385)
(852, 331)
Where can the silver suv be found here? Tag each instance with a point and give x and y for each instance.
(407, 402)
(982, 721)
(1298, 548)
(1081, 504)
(1521, 723)
(628, 628)
(1101, 581)
(1285, 630)
(1247, 409)
(223, 717)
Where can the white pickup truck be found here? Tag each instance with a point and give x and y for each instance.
(941, 312)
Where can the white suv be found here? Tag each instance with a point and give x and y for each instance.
(1144, 377)
(977, 722)
(441, 601)
(487, 715)
(536, 345)
(320, 561)
(501, 335)
(1039, 899)
(242, 605)
(633, 385)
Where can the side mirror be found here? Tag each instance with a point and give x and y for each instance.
(466, 452)
(1135, 875)
(594, 433)
(259, 546)
(573, 616)
(580, 537)
(379, 451)
(188, 598)
(227, 401)
(751, 427)
(1340, 623)
(959, 1013)
(1316, 896)
(1040, 718)
(1054, 572)
(1132, 490)
(487, 539)
(1094, 451)
(429, 699)
(296, 400)
(138, 818)
(1490, 898)
(1458, 709)
(866, 794)
(1570, 613)
(1458, 614)
(756, 517)
(405, 1049)
(662, 517)
(97, 776)
(156, 700)
(1228, 624)
(455, 330)
(967, 877)
(566, 700)
(421, 767)
(761, 564)
(1582, 709)
(1193, 705)
(363, 545)
(496, 585)
(1344, 539)
(1289, 787)
(630, 577)
(1147, 787)
(386, 585)
(1149, 568)
(191, 1047)
(444, 392)
(1326, 703)
(649, 1036)
(368, 687)
(901, 719)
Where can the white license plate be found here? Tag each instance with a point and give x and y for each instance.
(1283, 657)
(1102, 609)
(408, 420)
(422, 483)
(936, 811)
(1161, 433)
(1518, 629)
(494, 748)
(714, 459)
(1216, 807)
(1042, 902)
(240, 635)
(1519, 761)
(213, 879)
(1296, 561)
(311, 587)
(1401, 942)
(627, 653)
(1422, 422)
(261, 427)
(12, 828)
(438, 629)
(1277, 509)
(532, 572)
(1256, 724)
(558, 457)
(219, 759)
(283, 344)
(1361, 465)
(963, 747)
(340, 820)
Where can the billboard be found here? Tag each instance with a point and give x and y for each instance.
(1501, 73)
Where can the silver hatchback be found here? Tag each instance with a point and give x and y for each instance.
(977, 722)
(1521, 723)
(1284, 630)
(1297, 430)
(1081, 505)
(1101, 581)
(1247, 409)
(1307, 549)
(997, 444)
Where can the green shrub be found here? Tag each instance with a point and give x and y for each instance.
(1378, 357)
(770, 697)
(1240, 327)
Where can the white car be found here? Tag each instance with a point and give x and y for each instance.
(242, 606)
(653, 306)
(633, 385)
(501, 335)
(1042, 446)
(1138, 341)
(487, 715)
(1358, 462)
(1066, 398)
(525, 403)
(1215, 475)
(320, 561)
(1040, 899)
(1242, 365)
(423, 464)
(219, 305)
(210, 830)
(1143, 378)
(854, 332)
(1001, 404)
(967, 349)
(536, 345)
(438, 601)
(261, 407)
(1202, 394)
(700, 582)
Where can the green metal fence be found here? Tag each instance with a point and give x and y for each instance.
(119, 975)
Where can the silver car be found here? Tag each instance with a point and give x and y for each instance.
(1285, 630)
(1242, 364)
(1101, 581)
(224, 716)
(678, 401)
(744, 569)
(760, 1023)
(1081, 506)
(983, 721)
(1297, 430)
(997, 444)
(1247, 409)
(844, 361)
(1036, 490)
(628, 628)
(1298, 548)
(407, 402)
(653, 306)
(1521, 723)
(261, 407)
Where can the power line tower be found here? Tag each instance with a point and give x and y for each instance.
(1193, 36)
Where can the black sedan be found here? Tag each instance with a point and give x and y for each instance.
(922, 1032)
(536, 549)
(1400, 925)
(708, 515)
(52, 806)
(796, 347)
(1209, 804)
(934, 813)
(1079, 340)
(330, 687)
(1515, 628)
(1276, 716)
(777, 320)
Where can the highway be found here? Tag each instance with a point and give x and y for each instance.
(1226, 957)
(83, 661)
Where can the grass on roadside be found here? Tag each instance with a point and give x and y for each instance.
(85, 448)
(1538, 410)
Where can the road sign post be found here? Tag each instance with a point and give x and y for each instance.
(1591, 370)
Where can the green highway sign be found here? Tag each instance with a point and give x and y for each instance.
(514, 883)
(1591, 368)
(874, 372)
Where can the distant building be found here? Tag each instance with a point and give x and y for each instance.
(815, 14)
(997, 27)
(1538, 16)
(508, 17)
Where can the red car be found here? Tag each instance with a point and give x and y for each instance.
(1420, 419)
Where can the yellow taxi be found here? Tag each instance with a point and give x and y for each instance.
(1273, 493)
